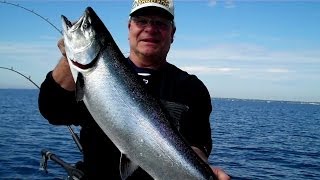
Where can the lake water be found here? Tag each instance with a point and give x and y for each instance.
(252, 139)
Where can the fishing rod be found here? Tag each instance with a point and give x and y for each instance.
(74, 136)
(28, 78)
(73, 172)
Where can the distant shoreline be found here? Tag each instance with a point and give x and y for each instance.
(228, 98)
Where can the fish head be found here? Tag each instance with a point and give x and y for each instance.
(82, 39)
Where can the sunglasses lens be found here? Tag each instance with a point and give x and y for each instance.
(142, 22)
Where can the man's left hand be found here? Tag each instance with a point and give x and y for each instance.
(221, 175)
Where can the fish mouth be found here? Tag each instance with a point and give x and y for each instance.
(69, 26)
(85, 66)
(66, 24)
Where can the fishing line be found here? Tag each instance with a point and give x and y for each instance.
(33, 12)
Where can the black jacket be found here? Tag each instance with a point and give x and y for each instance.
(101, 157)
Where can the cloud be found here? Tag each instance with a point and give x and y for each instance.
(277, 70)
(246, 53)
(226, 3)
(245, 73)
(229, 4)
(249, 62)
(212, 3)
(28, 51)
(208, 70)
(35, 59)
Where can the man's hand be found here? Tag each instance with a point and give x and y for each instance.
(61, 47)
(221, 175)
(62, 73)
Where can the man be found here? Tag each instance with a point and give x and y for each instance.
(151, 31)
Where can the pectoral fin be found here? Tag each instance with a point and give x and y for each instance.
(79, 87)
(175, 110)
(127, 167)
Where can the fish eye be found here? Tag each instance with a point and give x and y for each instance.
(85, 25)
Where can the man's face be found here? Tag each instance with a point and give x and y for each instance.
(150, 36)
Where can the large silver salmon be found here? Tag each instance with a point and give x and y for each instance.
(134, 120)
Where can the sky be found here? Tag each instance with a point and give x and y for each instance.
(245, 49)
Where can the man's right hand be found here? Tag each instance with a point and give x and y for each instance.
(62, 73)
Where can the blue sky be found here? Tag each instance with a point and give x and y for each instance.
(239, 49)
